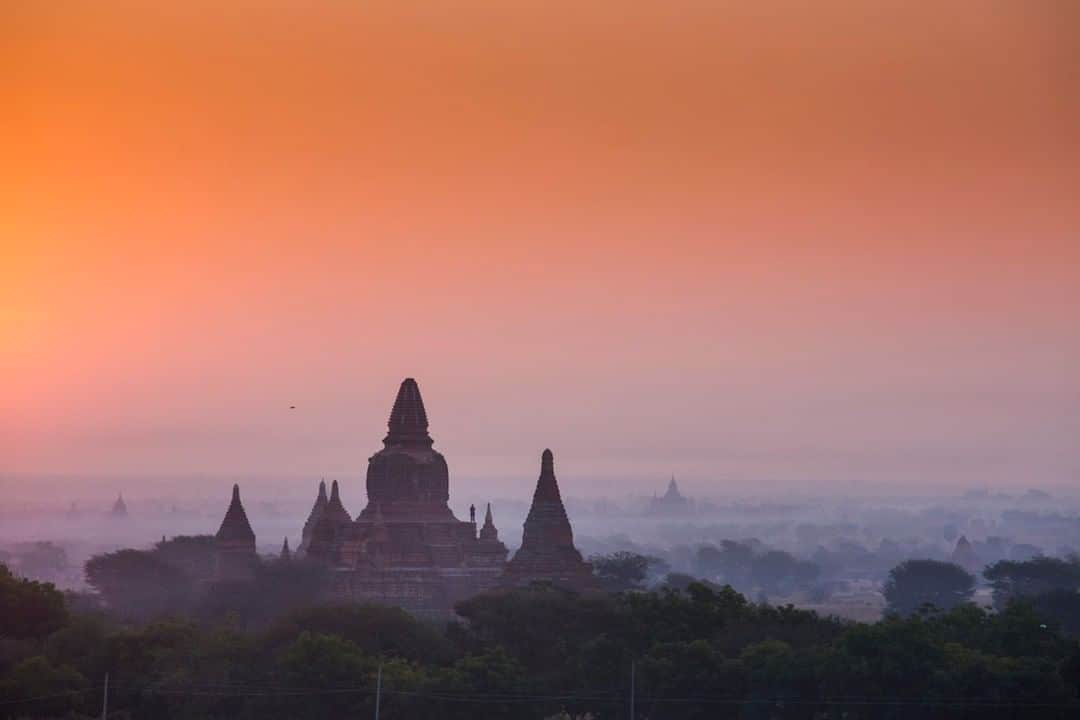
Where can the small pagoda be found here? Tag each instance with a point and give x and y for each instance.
(547, 552)
(234, 544)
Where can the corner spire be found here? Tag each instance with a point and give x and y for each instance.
(286, 554)
(408, 424)
(547, 549)
(488, 531)
(322, 491)
(335, 510)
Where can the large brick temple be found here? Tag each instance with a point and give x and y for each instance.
(406, 547)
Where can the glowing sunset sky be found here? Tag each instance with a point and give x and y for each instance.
(824, 241)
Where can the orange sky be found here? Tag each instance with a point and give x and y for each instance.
(758, 245)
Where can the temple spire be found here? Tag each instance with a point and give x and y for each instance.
(119, 508)
(408, 424)
(235, 526)
(547, 487)
(286, 554)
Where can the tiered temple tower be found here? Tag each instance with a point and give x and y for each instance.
(408, 478)
(547, 552)
(405, 547)
(234, 544)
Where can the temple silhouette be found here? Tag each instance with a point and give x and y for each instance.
(406, 547)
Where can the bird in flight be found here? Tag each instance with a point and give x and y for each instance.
(292, 407)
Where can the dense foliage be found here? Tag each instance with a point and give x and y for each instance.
(701, 652)
(1037, 576)
(619, 571)
(175, 578)
(28, 608)
(916, 585)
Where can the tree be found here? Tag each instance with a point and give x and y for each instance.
(41, 560)
(780, 573)
(193, 554)
(914, 584)
(374, 629)
(139, 584)
(623, 570)
(278, 587)
(41, 689)
(1062, 607)
(1011, 579)
(29, 609)
(730, 563)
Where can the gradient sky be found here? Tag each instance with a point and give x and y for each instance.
(753, 244)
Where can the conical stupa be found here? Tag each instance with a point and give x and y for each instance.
(234, 543)
(547, 551)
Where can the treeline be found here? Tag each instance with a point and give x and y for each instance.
(175, 577)
(700, 652)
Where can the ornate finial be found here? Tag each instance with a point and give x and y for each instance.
(236, 492)
(334, 493)
(322, 488)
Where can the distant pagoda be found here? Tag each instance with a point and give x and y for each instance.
(965, 556)
(547, 552)
(119, 508)
(671, 502)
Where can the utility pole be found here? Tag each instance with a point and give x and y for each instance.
(105, 699)
(633, 672)
(378, 691)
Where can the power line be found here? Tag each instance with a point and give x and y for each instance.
(53, 696)
(248, 690)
